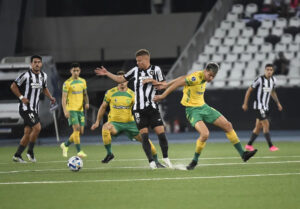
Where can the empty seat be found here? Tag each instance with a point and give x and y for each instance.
(258, 40)
(198, 66)
(281, 80)
(262, 31)
(280, 47)
(240, 24)
(215, 41)
(248, 32)
(260, 56)
(229, 41)
(234, 32)
(225, 24)
(266, 47)
(294, 82)
(245, 57)
(286, 38)
(220, 33)
(203, 58)
(281, 22)
(294, 22)
(277, 31)
(218, 83)
(217, 57)
(249, 74)
(225, 66)
(252, 64)
(294, 71)
(222, 74)
(223, 49)
(231, 57)
(251, 48)
(209, 49)
(289, 55)
(238, 49)
(237, 9)
(243, 40)
(267, 23)
(294, 47)
(239, 65)
(231, 16)
(250, 9)
(297, 38)
(271, 56)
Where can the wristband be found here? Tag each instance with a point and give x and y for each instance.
(21, 97)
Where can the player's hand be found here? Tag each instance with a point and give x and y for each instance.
(147, 80)
(161, 86)
(86, 106)
(67, 114)
(53, 100)
(279, 107)
(25, 100)
(100, 71)
(95, 125)
(245, 107)
(158, 98)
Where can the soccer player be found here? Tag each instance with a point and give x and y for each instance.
(28, 87)
(264, 87)
(198, 112)
(74, 98)
(120, 100)
(145, 110)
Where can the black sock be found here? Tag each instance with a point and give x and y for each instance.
(252, 138)
(268, 138)
(147, 146)
(20, 150)
(163, 142)
(30, 147)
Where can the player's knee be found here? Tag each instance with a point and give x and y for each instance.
(37, 128)
(228, 127)
(204, 135)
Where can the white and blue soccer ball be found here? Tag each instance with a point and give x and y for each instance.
(75, 163)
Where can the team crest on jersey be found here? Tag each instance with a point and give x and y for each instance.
(151, 72)
(193, 78)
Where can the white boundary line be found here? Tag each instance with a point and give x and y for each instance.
(147, 167)
(148, 179)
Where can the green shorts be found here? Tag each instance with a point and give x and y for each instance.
(76, 117)
(203, 113)
(129, 129)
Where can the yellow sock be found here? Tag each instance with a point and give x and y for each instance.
(200, 146)
(106, 137)
(76, 137)
(233, 138)
(153, 150)
(71, 138)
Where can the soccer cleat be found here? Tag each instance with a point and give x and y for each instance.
(249, 147)
(108, 158)
(152, 165)
(31, 157)
(192, 165)
(18, 159)
(167, 162)
(273, 148)
(159, 165)
(81, 154)
(64, 149)
(248, 154)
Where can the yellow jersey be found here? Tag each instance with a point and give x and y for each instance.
(120, 104)
(75, 90)
(193, 91)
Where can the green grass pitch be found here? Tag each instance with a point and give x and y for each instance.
(221, 179)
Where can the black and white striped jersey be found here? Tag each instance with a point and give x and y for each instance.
(263, 88)
(144, 94)
(31, 85)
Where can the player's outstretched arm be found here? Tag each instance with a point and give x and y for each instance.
(164, 85)
(102, 71)
(179, 82)
(100, 114)
(275, 98)
(246, 99)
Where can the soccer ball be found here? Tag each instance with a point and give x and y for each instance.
(75, 163)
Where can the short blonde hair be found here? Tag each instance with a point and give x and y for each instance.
(142, 52)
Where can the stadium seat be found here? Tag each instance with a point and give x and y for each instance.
(248, 32)
(209, 49)
(286, 38)
(294, 71)
(240, 24)
(258, 40)
(223, 49)
(249, 73)
(239, 65)
(267, 23)
(250, 9)
(242, 40)
(225, 24)
(289, 55)
(220, 33)
(271, 55)
(281, 22)
(217, 57)
(262, 32)
(266, 47)
(294, 82)
(252, 64)
(229, 41)
(294, 22)
(233, 32)
(260, 56)
(294, 47)
(251, 48)
(215, 41)
(237, 9)
(203, 58)
(225, 66)
(281, 80)
(246, 56)
(231, 16)
(219, 83)
(231, 57)
(238, 48)
(280, 47)
(222, 74)
(277, 31)
(297, 38)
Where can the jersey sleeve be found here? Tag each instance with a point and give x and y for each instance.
(255, 83)
(66, 87)
(193, 79)
(84, 85)
(20, 79)
(107, 96)
(130, 74)
(159, 74)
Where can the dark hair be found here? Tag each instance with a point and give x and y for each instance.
(35, 57)
(142, 52)
(212, 66)
(121, 72)
(269, 65)
(75, 64)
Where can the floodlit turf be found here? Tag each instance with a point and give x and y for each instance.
(222, 180)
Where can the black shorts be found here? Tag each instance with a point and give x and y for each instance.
(30, 118)
(147, 117)
(262, 114)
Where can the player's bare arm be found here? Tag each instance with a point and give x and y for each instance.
(102, 71)
(275, 98)
(86, 100)
(48, 94)
(246, 99)
(100, 114)
(179, 82)
(164, 85)
(64, 104)
(14, 88)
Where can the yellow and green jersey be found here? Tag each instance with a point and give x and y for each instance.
(120, 104)
(193, 91)
(75, 89)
